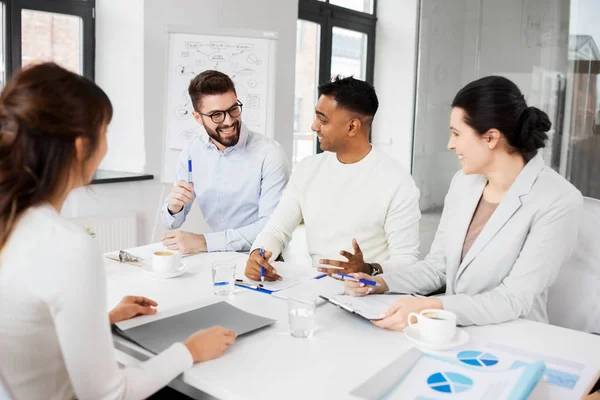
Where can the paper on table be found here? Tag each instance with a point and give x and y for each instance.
(372, 307)
(433, 377)
(562, 379)
(310, 290)
(416, 375)
(292, 275)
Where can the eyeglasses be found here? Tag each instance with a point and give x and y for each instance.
(219, 116)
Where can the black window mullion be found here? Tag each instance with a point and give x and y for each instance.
(82, 9)
(7, 42)
(328, 16)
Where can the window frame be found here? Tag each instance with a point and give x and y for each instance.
(329, 16)
(85, 9)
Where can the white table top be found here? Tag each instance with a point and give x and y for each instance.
(344, 352)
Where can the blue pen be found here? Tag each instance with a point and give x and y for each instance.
(190, 179)
(346, 277)
(262, 269)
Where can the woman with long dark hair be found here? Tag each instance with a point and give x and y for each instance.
(509, 221)
(55, 339)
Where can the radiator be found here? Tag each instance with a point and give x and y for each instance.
(111, 232)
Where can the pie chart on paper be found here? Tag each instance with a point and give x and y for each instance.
(477, 358)
(449, 382)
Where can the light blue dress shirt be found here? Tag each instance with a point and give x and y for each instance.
(237, 189)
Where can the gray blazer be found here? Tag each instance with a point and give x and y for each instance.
(517, 256)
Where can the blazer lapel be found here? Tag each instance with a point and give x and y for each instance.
(458, 226)
(505, 210)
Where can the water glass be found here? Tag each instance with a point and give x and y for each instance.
(223, 274)
(302, 317)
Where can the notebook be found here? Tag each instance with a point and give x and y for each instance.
(159, 335)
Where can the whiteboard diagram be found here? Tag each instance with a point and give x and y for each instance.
(245, 59)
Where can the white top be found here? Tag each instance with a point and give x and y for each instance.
(374, 200)
(55, 337)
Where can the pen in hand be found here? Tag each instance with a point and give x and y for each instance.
(346, 277)
(190, 178)
(262, 269)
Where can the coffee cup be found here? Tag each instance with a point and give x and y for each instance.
(435, 326)
(166, 261)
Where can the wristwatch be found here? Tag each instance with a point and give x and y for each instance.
(374, 271)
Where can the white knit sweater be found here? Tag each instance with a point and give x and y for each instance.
(55, 339)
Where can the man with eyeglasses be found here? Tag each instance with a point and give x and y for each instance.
(237, 179)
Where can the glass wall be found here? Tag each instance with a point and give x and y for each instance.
(547, 47)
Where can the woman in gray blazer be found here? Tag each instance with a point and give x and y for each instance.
(509, 221)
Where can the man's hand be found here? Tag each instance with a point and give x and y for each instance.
(180, 195)
(253, 266)
(355, 263)
(132, 306)
(184, 242)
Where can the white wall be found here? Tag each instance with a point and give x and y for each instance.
(120, 72)
(131, 70)
(395, 69)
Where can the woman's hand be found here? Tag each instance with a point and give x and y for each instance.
(360, 289)
(209, 343)
(132, 306)
(396, 318)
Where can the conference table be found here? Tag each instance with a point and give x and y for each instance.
(344, 352)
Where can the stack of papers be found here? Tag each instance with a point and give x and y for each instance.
(417, 375)
(562, 379)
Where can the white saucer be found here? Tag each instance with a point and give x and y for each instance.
(413, 334)
(165, 275)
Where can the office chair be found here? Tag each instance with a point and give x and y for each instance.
(574, 299)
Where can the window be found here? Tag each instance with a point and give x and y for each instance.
(358, 5)
(334, 37)
(48, 30)
(553, 55)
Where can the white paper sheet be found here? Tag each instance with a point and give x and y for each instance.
(292, 275)
(563, 379)
(435, 379)
(310, 290)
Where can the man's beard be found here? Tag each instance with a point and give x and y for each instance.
(225, 141)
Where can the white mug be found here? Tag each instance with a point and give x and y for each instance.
(166, 261)
(435, 326)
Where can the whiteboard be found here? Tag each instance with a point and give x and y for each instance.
(248, 57)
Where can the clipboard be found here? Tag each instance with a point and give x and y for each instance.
(116, 258)
(347, 308)
(371, 308)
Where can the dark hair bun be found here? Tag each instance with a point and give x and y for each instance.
(533, 125)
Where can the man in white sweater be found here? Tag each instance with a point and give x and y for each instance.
(360, 208)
